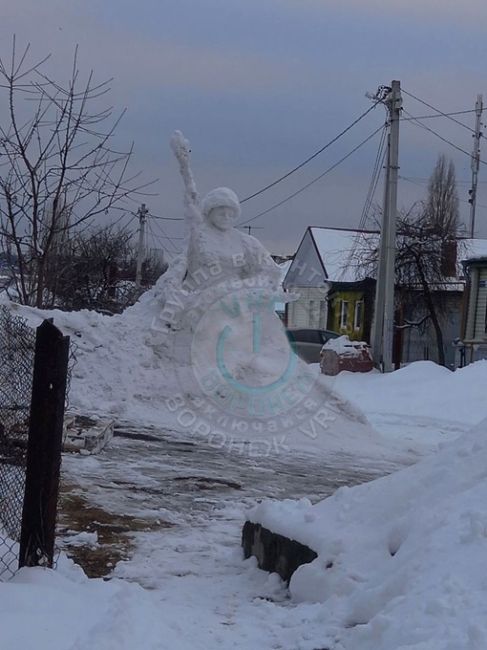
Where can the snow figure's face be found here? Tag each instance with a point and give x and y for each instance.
(222, 217)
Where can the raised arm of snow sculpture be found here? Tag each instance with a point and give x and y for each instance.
(217, 251)
(181, 150)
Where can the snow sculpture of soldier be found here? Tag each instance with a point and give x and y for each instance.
(216, 334)
(218, 256)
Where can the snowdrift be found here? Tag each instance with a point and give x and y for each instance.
(122, 371)
(402, 561)
(420, 389)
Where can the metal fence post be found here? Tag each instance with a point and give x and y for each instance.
(44, 447)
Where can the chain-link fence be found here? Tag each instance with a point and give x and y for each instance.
(17, 348)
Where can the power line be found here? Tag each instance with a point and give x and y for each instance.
(452, 144)
(379, 161)
(327, 171)
(376, 173)
(166, 236)
(314, 155)
(433, 108)
(158, 241)
(437, 115)
(156, 216)
(421, 181)
(123, 216)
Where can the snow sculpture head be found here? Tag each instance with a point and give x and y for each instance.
(221, 208)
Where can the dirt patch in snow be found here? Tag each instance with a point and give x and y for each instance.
(114, 533)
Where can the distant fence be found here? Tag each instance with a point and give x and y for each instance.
(33, 376)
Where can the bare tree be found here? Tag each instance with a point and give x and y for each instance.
(441, 206)
(426, 253)
(96, 270)
(59, 167)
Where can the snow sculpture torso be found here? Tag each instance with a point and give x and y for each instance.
(217, 253)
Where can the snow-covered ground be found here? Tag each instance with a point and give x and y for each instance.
(184, 584)
(420, 405)
(405, 550)
(402, 561)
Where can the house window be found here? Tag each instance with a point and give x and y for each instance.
(343, 314)
(358, 315)
(323, 314)
(313, 314)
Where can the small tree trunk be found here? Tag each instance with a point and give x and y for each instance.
(434, 316)
(40, 282)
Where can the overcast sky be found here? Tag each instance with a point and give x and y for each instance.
(258, 85)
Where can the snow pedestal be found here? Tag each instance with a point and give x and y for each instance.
(343, 354)
(274, 553)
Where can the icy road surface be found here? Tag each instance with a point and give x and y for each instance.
(149, 487)
(167, 513)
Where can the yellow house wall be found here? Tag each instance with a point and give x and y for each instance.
(351, 297)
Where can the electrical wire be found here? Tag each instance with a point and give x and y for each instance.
(169, 239)
(437, 115)
(315, 180)
(310, 158)
(376, 173)
(433, 108)
(452, 144)
(125, 214)
(379, 161)
(421, 181)
(155, 216)
(158, 241)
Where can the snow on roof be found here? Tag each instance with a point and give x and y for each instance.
(284, 267)
(339, 250)
(473, 248)
(342, 251)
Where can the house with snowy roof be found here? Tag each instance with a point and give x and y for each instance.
(328, 274)
(333, 275)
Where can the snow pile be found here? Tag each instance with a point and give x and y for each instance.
(129, 369)
(419, 401)
(343, 346)
(64, 609)
(402, 561)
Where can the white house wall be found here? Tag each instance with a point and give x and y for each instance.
(310, 310)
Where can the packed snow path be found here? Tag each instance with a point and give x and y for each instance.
(193, 567)
(171, 482)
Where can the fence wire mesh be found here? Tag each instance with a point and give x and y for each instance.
(17, 349)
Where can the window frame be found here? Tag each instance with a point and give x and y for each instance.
(343, 313)
(358, 323)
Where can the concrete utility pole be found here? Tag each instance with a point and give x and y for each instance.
(383, 331)
(475, 162)
(142, 213)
